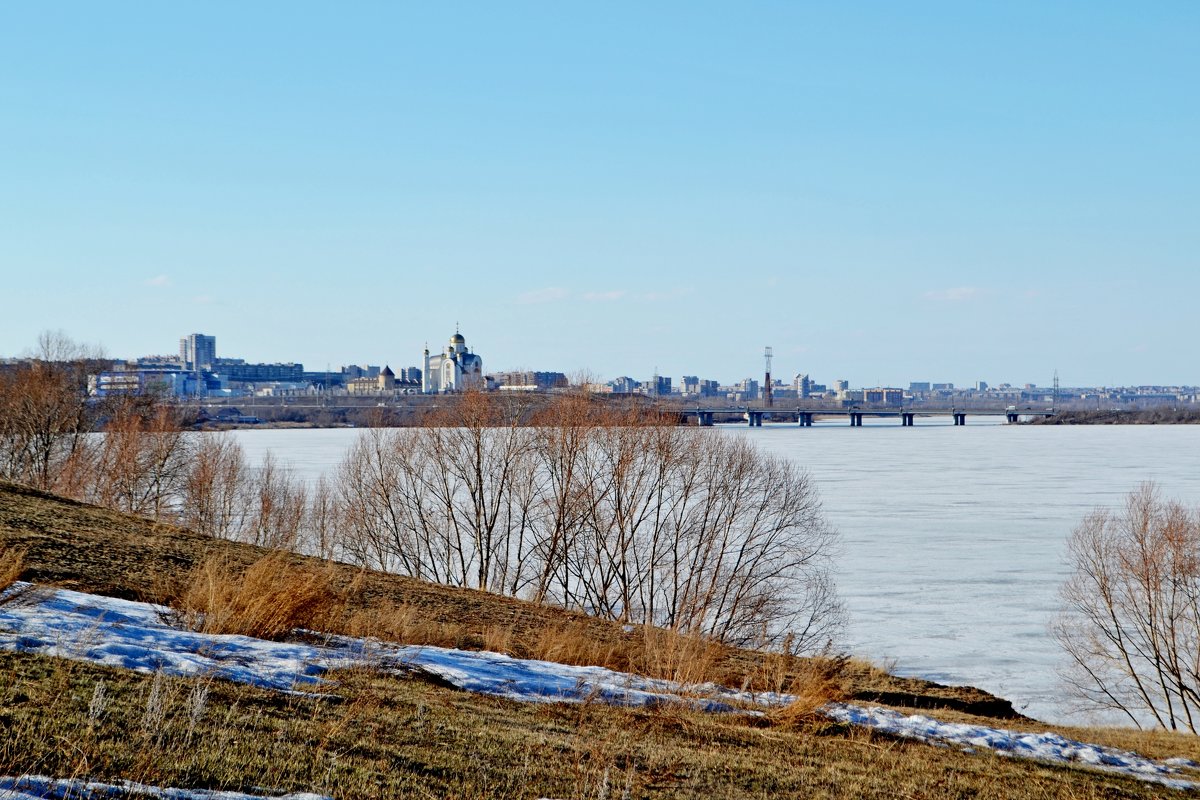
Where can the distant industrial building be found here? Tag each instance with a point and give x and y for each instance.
(526, 381)
(623, 385)
(745, 389)
(883, 395)
(129, 379)
(198, 352)
(658, 386)
(239, 371)
(693, 386)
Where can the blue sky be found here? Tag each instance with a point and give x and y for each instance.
(883, 192)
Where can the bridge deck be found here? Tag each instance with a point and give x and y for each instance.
(871, 412)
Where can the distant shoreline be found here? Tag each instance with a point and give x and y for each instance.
(1146, 416)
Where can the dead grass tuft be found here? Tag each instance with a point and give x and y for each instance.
(683, 658)
(268, 599)
(12, 564)
(813, 683)
(575, 643)
(400, 623)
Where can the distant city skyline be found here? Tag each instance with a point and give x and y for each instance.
(192, 345)
(883, 193)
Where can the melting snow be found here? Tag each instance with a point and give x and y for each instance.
(123, 633)
(37, 787)
(1050, 747)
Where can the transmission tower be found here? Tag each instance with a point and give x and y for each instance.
(1054, 402)
(768, 354)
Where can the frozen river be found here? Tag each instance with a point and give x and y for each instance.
(953, 539)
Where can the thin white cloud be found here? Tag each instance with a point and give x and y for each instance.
(202, 299)
(671, 294)
(551, 294)
(955, 295)
(614, 294)
(158, 280)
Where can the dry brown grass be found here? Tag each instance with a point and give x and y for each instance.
(812, 683)
(678, 657)
(402, 623)
(388, 738)
(575, 643)
(269, 599)
(652, 652)
(12, 564)
(76, 546)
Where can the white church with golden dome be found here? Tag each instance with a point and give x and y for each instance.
(455, 370)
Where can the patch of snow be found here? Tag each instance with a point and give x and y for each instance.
(1048, 747)
(37, 787)
(132, 635)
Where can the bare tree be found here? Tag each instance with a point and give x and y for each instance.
(321, 522)
(609, 511)
(44, 415)
(278, 504)
(213, 493)
(692, 530)
(444, 502)
(1132, 622)
(139, 464)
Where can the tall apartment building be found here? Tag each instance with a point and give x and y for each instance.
(198, 352)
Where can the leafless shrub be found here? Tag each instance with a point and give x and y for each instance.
(614, 514)
(277, 506)
(44, 417)
(1132, 624)
(212, 497)
(139, 463)
(322, 521)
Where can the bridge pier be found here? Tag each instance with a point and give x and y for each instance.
(706, 416)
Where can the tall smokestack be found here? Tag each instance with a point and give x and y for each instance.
(767, 399)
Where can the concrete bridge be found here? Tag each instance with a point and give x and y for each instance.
(805, 416)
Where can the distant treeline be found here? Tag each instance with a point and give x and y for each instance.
(1142, 416)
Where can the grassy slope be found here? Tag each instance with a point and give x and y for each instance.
(383, 737)
(91, 549)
